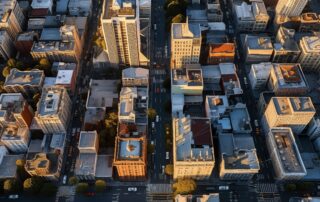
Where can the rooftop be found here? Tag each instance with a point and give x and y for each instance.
(246, 11)
(50, 34)
(32, 77)
(240, 119)
(39, 162)
(238, 151)
(41, 4)
(289, 75)
(285, 40)
(104, 166)
(50, 101)
(222, 48)
(130, 148)
(287, 152)
(8, 166)
(185, 30)
(87, 139)
(135, 73)
(6, 6)
(64, 77)
(63, 66)
(258, 42)
(217, 104)
(119, 8)
(187, 76)
(102, 93)
(309, 17)
(290, 105)
(47, 46)
(27, 36)
(261, 70)
(227, 68)
(311, 43)
(86, 164)
(11, 103)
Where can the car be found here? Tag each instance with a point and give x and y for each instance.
(152, 142)
(224, 187)
(245, 80)
(152, 124)
(132, 188)
(256, 123)
(157, 118)
(14, 196)
(64, 181)
(167, 155)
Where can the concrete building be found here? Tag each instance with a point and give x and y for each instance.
(67, 79)
(211, 78)
(288, 79)
(58, 45)
(187, 81)
(135, 77)
(26, 82)
(204, 198)
(130, 154)
(185, 44)
(12, 18)
(15, 138)
(251, 17)
(310, 53)
(220, 53)
(214, 12)
(229, 80)
(216, 106)
(285, 155)
(7, 48)
(314, 129)
(121, 31)
(259, 75)
(309, 22)
(24, 41)
(257, 48)
(238, 157)
(42, 5)
(54, 108)
(80, 7)
(293, 112)
(14, 110)
(240, 119)
(8, 168)
(193, 153)
(286, 49)
(290, 8)
(133, 105)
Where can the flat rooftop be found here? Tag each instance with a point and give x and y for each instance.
(50, 101)
(240, 118)
(309, 17)
(86, 164)
(287, 151)
(119, 8)
(6, 6)
(64, 77)
(190, 77)
(258, 42)
(27, 36)
(222, 48)
(102, 93)
(130, 148)
(8, 166)
(50, 34)
(217, 104)
(104, 166)
(311, 43)
(227, 68)
(290, 105)
(185, 30)
(48, 46)
(13, 132)
(17, 77)
(261, 70)
(11, 103)
(135, 73)
(290, 75)
(87, 139)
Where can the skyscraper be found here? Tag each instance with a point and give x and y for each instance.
(290, 7)
(121, 31)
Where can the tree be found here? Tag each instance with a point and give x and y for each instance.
(6, 71)
(100, 185)
(82, 187)
(36, 98)
(11, 186)
(184, 186)
(12, 63)
(33, 185)
(20, 162)
(73, 180)
(27, 185)
(2, 90)
(44, 65)
(111, 120)
(178, 18)
(169, 169)
(152, 113)
(48, 189)
(167, 83)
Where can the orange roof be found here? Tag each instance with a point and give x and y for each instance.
(225, 47)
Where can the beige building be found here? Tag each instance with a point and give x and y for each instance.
(290, 8)
(310, 53)
(193, 153)
(135, 77)
(185, 44)
(293, 112)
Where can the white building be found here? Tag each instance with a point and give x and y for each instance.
(290, 8)
(285, 155)
(42, 4)
(135, 77)
(310, 53)
(121, 30)
(259, 75)
(54, 108)
(216, 106)
(7, 48)
(185, 44)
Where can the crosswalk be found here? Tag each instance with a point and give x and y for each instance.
(267, 188)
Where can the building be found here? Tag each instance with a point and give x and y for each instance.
(12, 18)
(15, 138)
(257, 48)
(135, 77)
(285, 155)
(80, 7)
(290, 8)
(58, 45)
(259, 75)
(187, 81)
(6, 46)
(67, 79)
(8, 168)
(214, 12)
(251, 17)
(310, 52)
(42, 5)
(240, 119)
(14, 110)
(314, 129)
(238, 157)
(85, 168)
(130, 154)
(54, 108)
(185, 44)
(121, 31)
(26, 82)
(220, 53)
(193, 153)
(24, 41)
(309, 22)
(286, 49)
(229, 80)
(44, 157)
(287, 79)
(133, 105)
(293, 112)
(216, 106)
(204, 198)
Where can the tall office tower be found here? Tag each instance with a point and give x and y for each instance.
(310, 53)
(293, 112)
(54, 110)
(185, 44)
(290, 7)
(11, 17)
(6, 45)
(121, 31)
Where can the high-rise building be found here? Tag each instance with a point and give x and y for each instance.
(285, 155)
(259, 75)
(290, 8)
(6, 45)
(257, 48)
(121, 31)
(310, 53)
(54, 109)
(185, 44)
(26, 82)
(11, 17)
(193, 153)
(24, 41)
(293, 112)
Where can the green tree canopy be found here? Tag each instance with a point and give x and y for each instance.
(73, 180)
(100, 185)
(169, 169)
(11, 186)
(82, 187)
(152, 113)
(184, 186)
(6, 71)
(111, 120)
(12, 63)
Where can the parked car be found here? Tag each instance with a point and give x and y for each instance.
(132, 188)
(14, 196)
(64, 181)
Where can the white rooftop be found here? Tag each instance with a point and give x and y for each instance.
(132, 72)
(64, 77)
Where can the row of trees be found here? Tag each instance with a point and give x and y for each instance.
(184, 186)
(82, 187)
(175, 11)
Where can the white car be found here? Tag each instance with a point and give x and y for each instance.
(64, 181)
(152, 124)
(224, 187)
(245, 80)
(256, 123)
(157, 118)
(15, 196)
(132, 188)
(167, 155)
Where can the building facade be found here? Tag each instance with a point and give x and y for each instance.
(259, 75)
(6, 46)
(290, 8)
(135, 77)
(310, 53)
